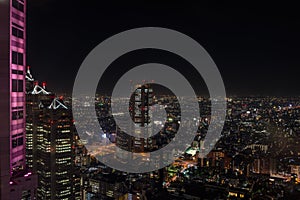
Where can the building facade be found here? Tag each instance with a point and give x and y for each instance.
(50, 149)
(139, 109)
(16, 182)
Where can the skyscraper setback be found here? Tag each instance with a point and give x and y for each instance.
(16, 182)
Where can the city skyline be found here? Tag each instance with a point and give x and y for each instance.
(155, 143)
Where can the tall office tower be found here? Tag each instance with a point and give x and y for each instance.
(15, 181)
(140, 104)
(50, 147)
(36, 98)
(140, 111)
(55, 153)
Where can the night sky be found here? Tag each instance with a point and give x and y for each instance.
(256, 49)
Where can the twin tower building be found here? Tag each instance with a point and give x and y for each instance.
(36, 128)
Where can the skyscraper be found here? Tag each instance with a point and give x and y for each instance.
(55, 155)
(141, 102)
(139, 109)
(36, 98)
(16, 182)
(50, 142)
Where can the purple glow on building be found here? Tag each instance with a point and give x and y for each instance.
(12, 100)
(17, 19)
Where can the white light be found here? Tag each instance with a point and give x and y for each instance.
(157, 122)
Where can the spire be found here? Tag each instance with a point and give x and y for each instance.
(56, 103)
(35, 87)
(44, 84)
(28, 75)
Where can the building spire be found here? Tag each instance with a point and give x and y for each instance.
(28, 75)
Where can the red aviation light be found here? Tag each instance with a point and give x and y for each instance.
(44, 84)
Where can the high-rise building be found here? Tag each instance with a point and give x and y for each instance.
(50, 143)
(36, 98)
(55, 157)
(139, 108)
(16, 182)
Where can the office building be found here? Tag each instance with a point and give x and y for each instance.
(16, 182)
(50, 142)
(139, 109)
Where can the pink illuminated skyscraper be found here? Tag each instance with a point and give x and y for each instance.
(15, 181)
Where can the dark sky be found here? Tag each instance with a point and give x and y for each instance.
(256, 49)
